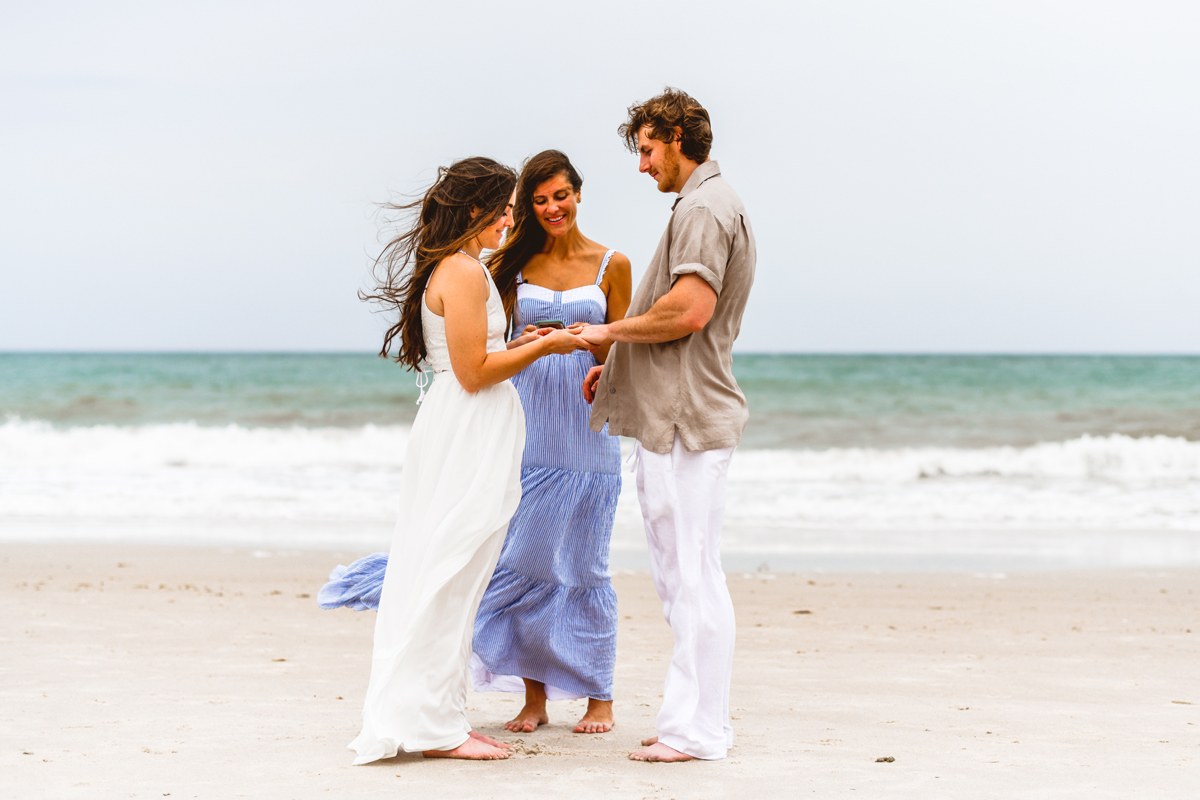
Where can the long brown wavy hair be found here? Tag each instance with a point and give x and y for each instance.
(442, 225)
(527, 237)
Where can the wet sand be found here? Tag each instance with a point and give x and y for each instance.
(152, 672)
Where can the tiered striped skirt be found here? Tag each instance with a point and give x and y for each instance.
(550, 612)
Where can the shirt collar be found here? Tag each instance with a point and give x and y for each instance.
(709, 169)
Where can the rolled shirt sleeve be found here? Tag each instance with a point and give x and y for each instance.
(685, 387)
(700, 245)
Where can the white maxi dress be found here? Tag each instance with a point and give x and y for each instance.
(460, 486)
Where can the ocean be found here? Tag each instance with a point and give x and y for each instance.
(982, 464)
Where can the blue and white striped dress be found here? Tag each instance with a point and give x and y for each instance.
(550, 612)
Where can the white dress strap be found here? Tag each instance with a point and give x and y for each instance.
(473, 258)
(604, 266)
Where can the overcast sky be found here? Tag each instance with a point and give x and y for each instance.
(921, 177)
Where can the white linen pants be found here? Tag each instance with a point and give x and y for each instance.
(682, 495)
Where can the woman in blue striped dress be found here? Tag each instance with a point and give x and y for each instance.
(547, 624)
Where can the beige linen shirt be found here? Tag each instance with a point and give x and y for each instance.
(651, 391)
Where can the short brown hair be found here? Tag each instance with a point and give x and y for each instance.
(670, 110)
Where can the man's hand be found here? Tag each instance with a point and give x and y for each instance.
(590, 381)
(597, 334)
(561, 341)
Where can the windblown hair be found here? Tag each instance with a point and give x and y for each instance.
(441, 225)
(527, 237)
(670, 110)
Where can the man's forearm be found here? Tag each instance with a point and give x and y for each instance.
(685, 309)
(650, 328)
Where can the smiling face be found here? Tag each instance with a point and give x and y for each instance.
(555, 205)
(661, 160)
(493, 234)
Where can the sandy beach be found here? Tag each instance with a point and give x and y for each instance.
(154, 672)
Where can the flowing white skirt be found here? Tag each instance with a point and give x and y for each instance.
(460, 486)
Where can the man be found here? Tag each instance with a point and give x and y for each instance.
(668, 383)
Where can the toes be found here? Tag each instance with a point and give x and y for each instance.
(650, 741)
(593, 726)
(489, 740)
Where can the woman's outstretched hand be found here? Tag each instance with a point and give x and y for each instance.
(590, 381)
(531, 334)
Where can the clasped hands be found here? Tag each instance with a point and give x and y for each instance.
(579, 336)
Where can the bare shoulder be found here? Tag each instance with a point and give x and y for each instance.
(457, 273)
(457, 279)
(620, 262)
(620, 270)
(462, 266)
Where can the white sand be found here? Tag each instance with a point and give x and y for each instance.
(152, 672)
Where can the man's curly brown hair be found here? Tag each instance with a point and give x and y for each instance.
(670, 110)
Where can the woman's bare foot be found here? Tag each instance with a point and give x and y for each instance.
(472, 749)
(528, 718)
(598, 719)
(489, 740)
(653, 750)
(534, 712)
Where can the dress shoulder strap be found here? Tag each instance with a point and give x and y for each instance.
(604, 265)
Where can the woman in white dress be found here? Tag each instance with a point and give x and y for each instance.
(462, 467)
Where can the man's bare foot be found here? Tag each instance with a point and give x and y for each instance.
(472, 749)
(489, 740)
(656, 751)
(528, 718)
(598, 719)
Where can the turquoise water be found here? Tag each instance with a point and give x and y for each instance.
(796, 401)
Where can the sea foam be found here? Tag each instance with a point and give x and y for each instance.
(344, 476)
